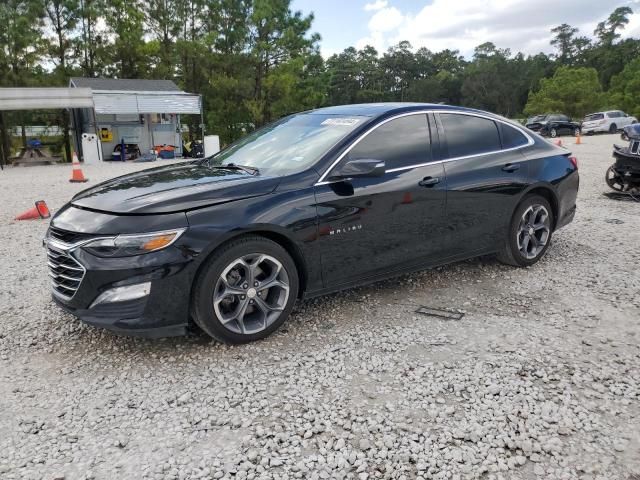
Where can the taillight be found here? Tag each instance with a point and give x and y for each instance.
(574, 161)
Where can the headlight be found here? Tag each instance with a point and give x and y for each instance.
(129, 245)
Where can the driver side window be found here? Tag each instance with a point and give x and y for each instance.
(401, 142)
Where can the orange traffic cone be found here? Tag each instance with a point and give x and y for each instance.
(578, 141)
(39, 211)
(77, 176)
(559, 143)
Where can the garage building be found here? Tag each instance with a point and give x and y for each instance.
(133, 111)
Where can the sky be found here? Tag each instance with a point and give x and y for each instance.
(521, 25)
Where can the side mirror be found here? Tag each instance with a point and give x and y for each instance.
(359, 168)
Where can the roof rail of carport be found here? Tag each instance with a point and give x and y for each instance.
(37, 98)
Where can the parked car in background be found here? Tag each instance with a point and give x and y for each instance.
(316, 202)
(553, 124)
(611, 121)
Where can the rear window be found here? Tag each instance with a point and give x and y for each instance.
(594, 116)
(512, 137)
(469, 135)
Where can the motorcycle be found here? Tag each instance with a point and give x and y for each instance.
(624, 174)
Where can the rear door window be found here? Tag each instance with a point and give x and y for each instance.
(593, 116)
(469, 135)
(512, 137)
(401, 142)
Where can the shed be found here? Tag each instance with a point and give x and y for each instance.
(133, 111)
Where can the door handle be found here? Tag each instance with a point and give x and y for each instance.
(510, 167)
(429, 181)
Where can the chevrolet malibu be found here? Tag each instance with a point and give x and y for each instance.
(316, 202)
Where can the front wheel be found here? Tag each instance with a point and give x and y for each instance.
(529, 233)
(245, 291)
(615, 181)
(613, 128)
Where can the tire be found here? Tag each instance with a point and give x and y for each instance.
(576, 132)
(226, 307)
(553, 133)
(511, 252)
(613, 128)
(614, 181)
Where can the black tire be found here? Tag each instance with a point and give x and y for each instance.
(202, 302)
(613, 128)
(510, 253)
(553, 133)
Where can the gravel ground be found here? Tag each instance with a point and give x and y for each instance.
(539, 379)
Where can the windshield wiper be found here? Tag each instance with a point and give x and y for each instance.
(242, 168)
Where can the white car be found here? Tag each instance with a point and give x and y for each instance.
(610, 121)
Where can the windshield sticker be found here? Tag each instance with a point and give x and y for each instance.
(342, 122)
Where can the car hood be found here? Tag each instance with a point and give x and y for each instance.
(173, 188)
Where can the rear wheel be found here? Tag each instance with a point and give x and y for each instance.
(245, 291)
(613, 128)
(576, 132)
(529, 233)
(553, 133)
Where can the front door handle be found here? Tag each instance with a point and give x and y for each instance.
(510, 167)
(429, 181)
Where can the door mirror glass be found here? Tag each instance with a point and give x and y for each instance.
(359, 168)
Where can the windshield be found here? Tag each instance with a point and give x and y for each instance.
(538, 118)
(594, 116)
(290, 145)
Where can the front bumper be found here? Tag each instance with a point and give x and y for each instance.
(159, 309)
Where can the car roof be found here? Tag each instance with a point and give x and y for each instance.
(379, 109)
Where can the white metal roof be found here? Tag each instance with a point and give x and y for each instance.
(146, 102)
(45, 98)
(104, 101)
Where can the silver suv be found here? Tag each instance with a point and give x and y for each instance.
(610, 121)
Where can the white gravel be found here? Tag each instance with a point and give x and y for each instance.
(540, 379)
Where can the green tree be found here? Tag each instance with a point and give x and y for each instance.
(607, 31)
(62, 18)
(277, 36)
(573, 91)
(564, 41)
(625, 89)
(128, 54)
(91, 40)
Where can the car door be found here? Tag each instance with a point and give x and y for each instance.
(486, 174)
(369, 226)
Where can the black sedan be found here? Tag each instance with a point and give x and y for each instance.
(316, 202)
(553, 125)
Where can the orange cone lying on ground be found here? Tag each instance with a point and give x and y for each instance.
(39, 211)
(559, 143)
(77, 176)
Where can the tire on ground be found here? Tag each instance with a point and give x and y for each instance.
(509, 253)
(202, 309)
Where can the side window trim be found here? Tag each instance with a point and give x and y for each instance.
(441, 140)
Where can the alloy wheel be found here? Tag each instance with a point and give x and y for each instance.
(251, 293)
(533, 231)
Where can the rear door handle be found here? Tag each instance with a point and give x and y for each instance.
(510, 167)
(429, 181)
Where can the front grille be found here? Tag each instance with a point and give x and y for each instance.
(634, 147)
(68, 237)
(65, 272)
